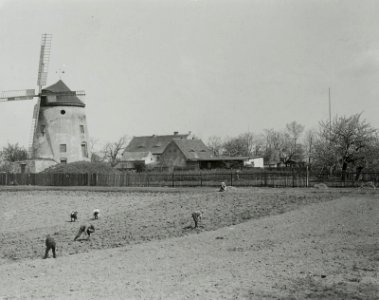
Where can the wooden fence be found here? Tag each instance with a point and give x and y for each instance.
(292, 178)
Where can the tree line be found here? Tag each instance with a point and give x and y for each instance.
(347, 143)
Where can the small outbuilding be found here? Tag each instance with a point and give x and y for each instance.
(194, 154)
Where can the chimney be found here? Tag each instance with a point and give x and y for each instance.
(176, 132)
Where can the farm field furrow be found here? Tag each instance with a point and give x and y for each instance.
(130, 217)
(297, 244)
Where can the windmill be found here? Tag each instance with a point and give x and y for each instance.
(59, 127)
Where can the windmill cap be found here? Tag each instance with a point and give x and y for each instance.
(53, 95)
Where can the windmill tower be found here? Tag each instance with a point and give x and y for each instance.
(59, 131)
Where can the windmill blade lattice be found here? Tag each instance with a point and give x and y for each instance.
(43, 66)
(17, 95)
(44, 59)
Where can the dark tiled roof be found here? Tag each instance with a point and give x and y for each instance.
(227, 158)
(153, 143)
(132, 156)
(59, 100)
(194, 149)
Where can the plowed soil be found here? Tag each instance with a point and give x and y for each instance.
(252, 244)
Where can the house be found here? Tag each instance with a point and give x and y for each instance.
(194, 154)
(147, 149)
(254, 163)
(135, 160)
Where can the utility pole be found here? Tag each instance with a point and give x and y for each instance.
(330, 110)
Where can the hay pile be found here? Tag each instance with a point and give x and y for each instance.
(81, 167)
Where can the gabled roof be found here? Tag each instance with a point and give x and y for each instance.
(153, 143)
(194, 149)
(133, 156)
(52, 96)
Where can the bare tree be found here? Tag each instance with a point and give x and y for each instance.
(294, 130)
(290, 150)
(214, 143)
(272, 140)
(283, 146)
(95, 154)
(259, 146)
(242, 145)
(309, 141)
(113, 151)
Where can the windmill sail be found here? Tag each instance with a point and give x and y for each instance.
(17, 95)
(44, 59)
(43, 66)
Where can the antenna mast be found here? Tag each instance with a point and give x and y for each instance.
(330, 110)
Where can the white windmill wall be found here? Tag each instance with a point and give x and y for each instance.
(58, 126)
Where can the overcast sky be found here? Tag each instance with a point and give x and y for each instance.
(211, 67)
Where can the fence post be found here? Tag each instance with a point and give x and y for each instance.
(293, 178)
(173, 181)
(231, 177)
(201, 179)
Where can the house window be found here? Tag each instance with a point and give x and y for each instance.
(81, 128)
(63, 148)
(84, 149)
(63, 160)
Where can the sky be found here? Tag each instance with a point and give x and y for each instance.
(212, 67)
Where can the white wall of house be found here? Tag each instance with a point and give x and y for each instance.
(255, 162)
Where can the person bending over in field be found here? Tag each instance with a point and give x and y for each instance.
(74, 216)
(88, 229)
(96, 213)
(222, 187)
(196, 216)
(50, 244)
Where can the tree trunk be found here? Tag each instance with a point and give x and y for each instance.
(358, 173)
(344, 168)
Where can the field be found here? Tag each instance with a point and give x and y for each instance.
(253, 243)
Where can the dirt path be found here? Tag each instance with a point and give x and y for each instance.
(323, 251)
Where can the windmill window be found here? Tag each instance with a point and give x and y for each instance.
(63, 148)
(63, 112)
(84, 150)
(81, 128)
